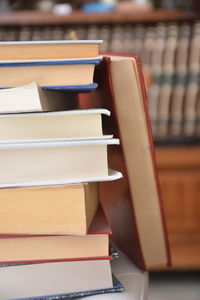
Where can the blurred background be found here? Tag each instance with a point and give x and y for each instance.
(166, 36)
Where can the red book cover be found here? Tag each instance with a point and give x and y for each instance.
(99, 226)
(138, 224)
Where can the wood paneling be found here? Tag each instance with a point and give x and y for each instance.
(179, 171)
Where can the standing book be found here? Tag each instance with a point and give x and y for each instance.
(133, 206)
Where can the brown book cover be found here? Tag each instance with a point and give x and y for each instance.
(137, 225)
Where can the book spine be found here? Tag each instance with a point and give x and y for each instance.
(167, 81)
(180, 80)
(192, 84)
(105, 35)
(128, 39)
(156, 67)
(148, 48)
(116, 43)
(138, 39)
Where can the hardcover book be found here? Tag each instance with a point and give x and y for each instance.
(49, 49)
(133, 206)
(56, 209)
(55, 278)
(74, 74)
(117, 287)
(46, 163)
(31, 98)
(71, 124)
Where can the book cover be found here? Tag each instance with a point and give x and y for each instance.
(136, 219)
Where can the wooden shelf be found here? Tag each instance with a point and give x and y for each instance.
(77, 17)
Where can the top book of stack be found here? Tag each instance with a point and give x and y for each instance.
(49, 49)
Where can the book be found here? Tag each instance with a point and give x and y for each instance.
(116, 42)
(92, 33)
(192, 86)
(180, 80)
(55, 73)
(104, 34)
(128, 38)
(51, 248)
(117, 287)
(54, 279)
(153, 92)
(190, 107)
(49, 49)
(60, 209)
(148, 48)
(138, 39)
(133, 206)
(168, 69)
(71, 124)
(197, 127)
(46, 163)
(31, 98)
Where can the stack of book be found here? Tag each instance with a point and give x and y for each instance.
(52, 223)
(54, 236)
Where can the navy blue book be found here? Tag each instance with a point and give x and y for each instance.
(55, 74)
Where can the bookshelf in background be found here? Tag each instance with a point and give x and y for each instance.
(143, 31)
